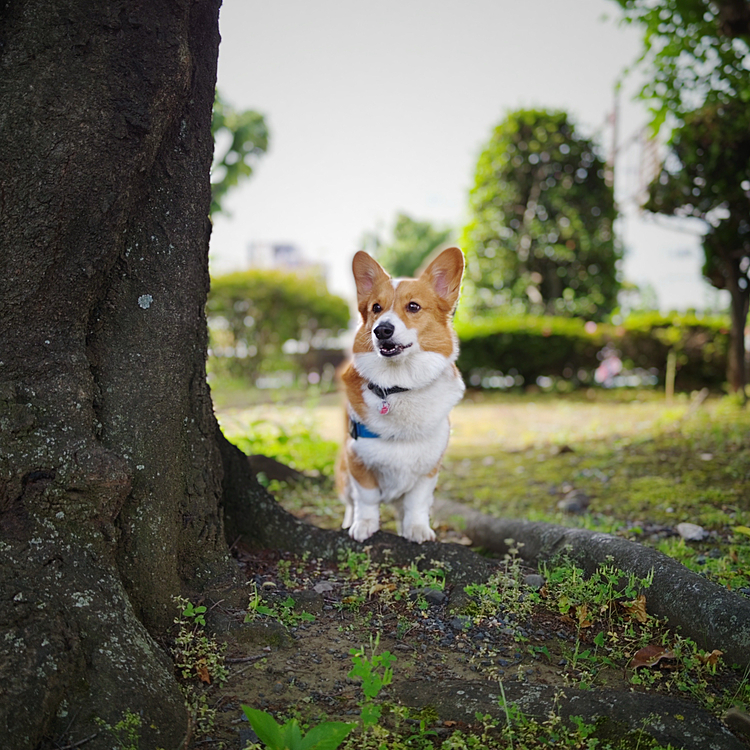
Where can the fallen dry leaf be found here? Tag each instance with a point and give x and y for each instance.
(712, 659)
(203, 673)
(378, 587)
(584, 621)
(650, 656)
(637, 608)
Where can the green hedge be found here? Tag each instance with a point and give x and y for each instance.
(264, 322)
(523, 349)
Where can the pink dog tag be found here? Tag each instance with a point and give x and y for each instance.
(384, 408)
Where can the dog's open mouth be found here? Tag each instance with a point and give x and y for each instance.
(391, 348)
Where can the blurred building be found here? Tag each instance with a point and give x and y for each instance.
(283, 256)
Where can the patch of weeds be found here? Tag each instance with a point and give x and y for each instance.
(503, 593)
(681, 667)
(126, 734)
(601, 596)
(197, 657)
(387, 585)
(412, 580)
(283, 611)
(728, 565)
(357, 564)
(608, 610)
(195, 653)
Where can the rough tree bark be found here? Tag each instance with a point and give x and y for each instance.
(110, 476)
(740, 301)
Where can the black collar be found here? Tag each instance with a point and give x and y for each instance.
(383, 393)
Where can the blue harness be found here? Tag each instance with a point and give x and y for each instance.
(357, 429)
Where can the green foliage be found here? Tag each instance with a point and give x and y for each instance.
(298, 445)
(694, 53)
(195, 654)
(593, 597)
(195, 613)
(540, 236)
(695, 58)
(126, 733)
(243, 138)
(253, 314)
(700, 181)
(503, 592)
(283, 611)
(325, 736)
(529, 347)
(411, 244)
(357, 563)
(200, 661)
(376, 673)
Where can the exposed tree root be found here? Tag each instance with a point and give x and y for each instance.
(700, 609)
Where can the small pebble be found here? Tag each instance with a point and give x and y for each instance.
(691, 532)
(534, 581)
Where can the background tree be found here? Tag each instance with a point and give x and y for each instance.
(540, 235)
(240, 138)
(708, 177)
(695, 59)
(411, 243)
(252, 314)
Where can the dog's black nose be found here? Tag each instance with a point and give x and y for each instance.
(384, 331)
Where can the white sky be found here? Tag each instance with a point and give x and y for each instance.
(381, 107)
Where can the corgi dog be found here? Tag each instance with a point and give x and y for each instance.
(400, 386)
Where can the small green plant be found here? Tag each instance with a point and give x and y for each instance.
(523, 731)
(376, 673)
(327, 735)
(195, 613)
(284, 611)
(197, 656)
(596, 596)
(504, 591)
(195, 653)
(357, 563)
(126, 733)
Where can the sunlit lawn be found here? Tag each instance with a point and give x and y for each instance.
(642, 465)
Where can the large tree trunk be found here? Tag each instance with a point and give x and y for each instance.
(736, 366)
(110, 477)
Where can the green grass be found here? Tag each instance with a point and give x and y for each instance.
(645, 465)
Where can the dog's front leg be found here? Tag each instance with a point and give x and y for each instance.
(366, 511)
(414, 511)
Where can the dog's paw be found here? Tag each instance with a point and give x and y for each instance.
(363, 529)
(418, 533)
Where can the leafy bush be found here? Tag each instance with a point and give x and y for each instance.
(700, 343)
(263, 321)
(507, 351)
(299, 446)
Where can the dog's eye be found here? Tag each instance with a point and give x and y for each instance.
(413, 307)
(376, 308)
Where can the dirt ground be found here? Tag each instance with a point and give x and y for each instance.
(448, 667)
(454, 661)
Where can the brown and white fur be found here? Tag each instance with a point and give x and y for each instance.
(400, 386)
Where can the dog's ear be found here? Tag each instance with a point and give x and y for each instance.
(445, 274)
(367, 272)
